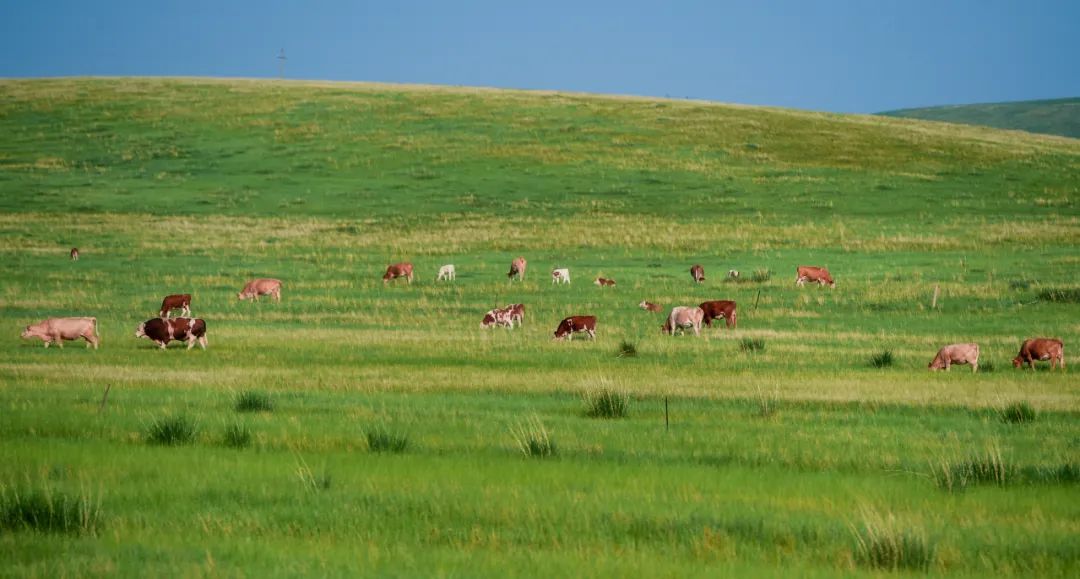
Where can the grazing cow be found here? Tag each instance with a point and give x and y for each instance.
(956, 354)
(261, 287)
(698, 273)
(810, 273)
(1033, 349)
(720, 309)
(560, 275)
(397, 270)
(517, 269)
(176, 302)
(74, 254)
(60, 329)
(517, 313)
(602, 282)
(569, 326)
(649, 306)
(504, 316)
(162, 331)
(447, 272)
(733, 274)
(684, 317)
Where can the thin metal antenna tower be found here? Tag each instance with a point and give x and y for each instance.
(281, 63)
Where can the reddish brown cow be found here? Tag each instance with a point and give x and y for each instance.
(60, 329)
(176, 302)
(1033, 349)
(261, 287)
(162, 331)
(956, 354)
(397, 270)
(649, 306)
(517, 313)
(569, 326)
(517, 269)
(720, 309)
(810, 273)
(698, 273)
(602, 282)
(74, 254)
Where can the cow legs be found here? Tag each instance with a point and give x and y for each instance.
(91, 339)
(975, 366)
(59, 340)
(592, 335)
(187, 311)
(202, 342)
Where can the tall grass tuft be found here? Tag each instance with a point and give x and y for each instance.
(752, 344)
(883, 543)
(382, 439)
(1060, 295)
(1018, 413)
(761, 275)
(883, 359)
(237, 435)
(627, 349)
(311, 481)
(606, 403)
(986, 366)
(172, 430)
(45, 509)
(988, 467)
(254, 401)
(767, 404)
(533, 439)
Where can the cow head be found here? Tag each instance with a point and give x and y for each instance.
(240, 296)
(27, 333)
(1017, 362)
(141, 331)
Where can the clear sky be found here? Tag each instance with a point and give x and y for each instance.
(833, 55)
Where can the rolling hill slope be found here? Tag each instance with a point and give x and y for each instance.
(1050, 117)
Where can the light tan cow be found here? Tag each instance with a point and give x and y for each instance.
(60, 329)
(261, 287)
(813, 274)
(684, 317)
(517, 269)
(956, 354)
(649, 306)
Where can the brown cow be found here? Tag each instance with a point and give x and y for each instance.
(698, 273)
(74, 254)
(649, 306)
(810, 273)
(602, 282)
(176, 302)
(60, 329)
(684, 317)
(956, 354)
(573, 324)
(720, 309)
(517, 269)
(397, 270)
(1033, 349)
(162, 331)
(517, 313)
(261, 287)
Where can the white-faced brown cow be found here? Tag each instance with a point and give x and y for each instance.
(261, 287)
(649, 306)
(683, 317)
(720, 309)
(560, 275)
(74, 254)
(698, 273)
(604, 282)
(176, 302)
(398, 270)
(447, 272)
(812, 274)
(162, 331)
(60, 329)
(956, 354)
(574, 324)
(517, 269)
(1033, 349)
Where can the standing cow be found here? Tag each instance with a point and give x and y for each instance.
(60, 329)
(682, 317)
(398, 270)
(1033, 349)
(180, 302)
(162, 331)
(698, 273)
(261, 287)
(447, 272)
(74, 254)
(517, 269)
(720, 309)
(560, 275)
(574, 324)
(956, 354)
(812, 274)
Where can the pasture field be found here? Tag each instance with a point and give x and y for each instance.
(392, 438)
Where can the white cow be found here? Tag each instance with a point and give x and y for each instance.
(561, 275)
(684, 317)
(447, 272)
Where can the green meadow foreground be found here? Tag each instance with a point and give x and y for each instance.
(357, 428)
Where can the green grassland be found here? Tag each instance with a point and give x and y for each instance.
(800, 458)
(1050, 117)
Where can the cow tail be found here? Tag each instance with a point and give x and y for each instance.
(96, 334)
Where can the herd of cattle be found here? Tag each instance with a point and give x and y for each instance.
(164, 329)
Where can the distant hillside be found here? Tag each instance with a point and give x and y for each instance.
(1052, 117)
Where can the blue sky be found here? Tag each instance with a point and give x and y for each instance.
(832, 55)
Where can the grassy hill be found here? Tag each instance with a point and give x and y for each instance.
(775, 448)
(1050, 117)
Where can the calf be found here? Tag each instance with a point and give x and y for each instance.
(560, 275)
(720, 309)
(956, 354)
(649, 306)
(684, 317)
(176, 302)
(602, 282)
(162, 331)
(74, 254)
(517, 269)
(733, 274)
(698, 273)
(1033, 349)
(397, 270)
(810, 273)
(569, 326)
(60, 329)
(261, 287)
(447, 272)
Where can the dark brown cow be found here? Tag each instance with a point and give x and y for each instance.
(397, 270)
(74, 254)
(810, 273)
(602, 282)
(162, 331)
(698, 273)
(176, 302)
(720, 309)
(517, 269)
(569, 326)
(1033, 349)
(649, 306)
